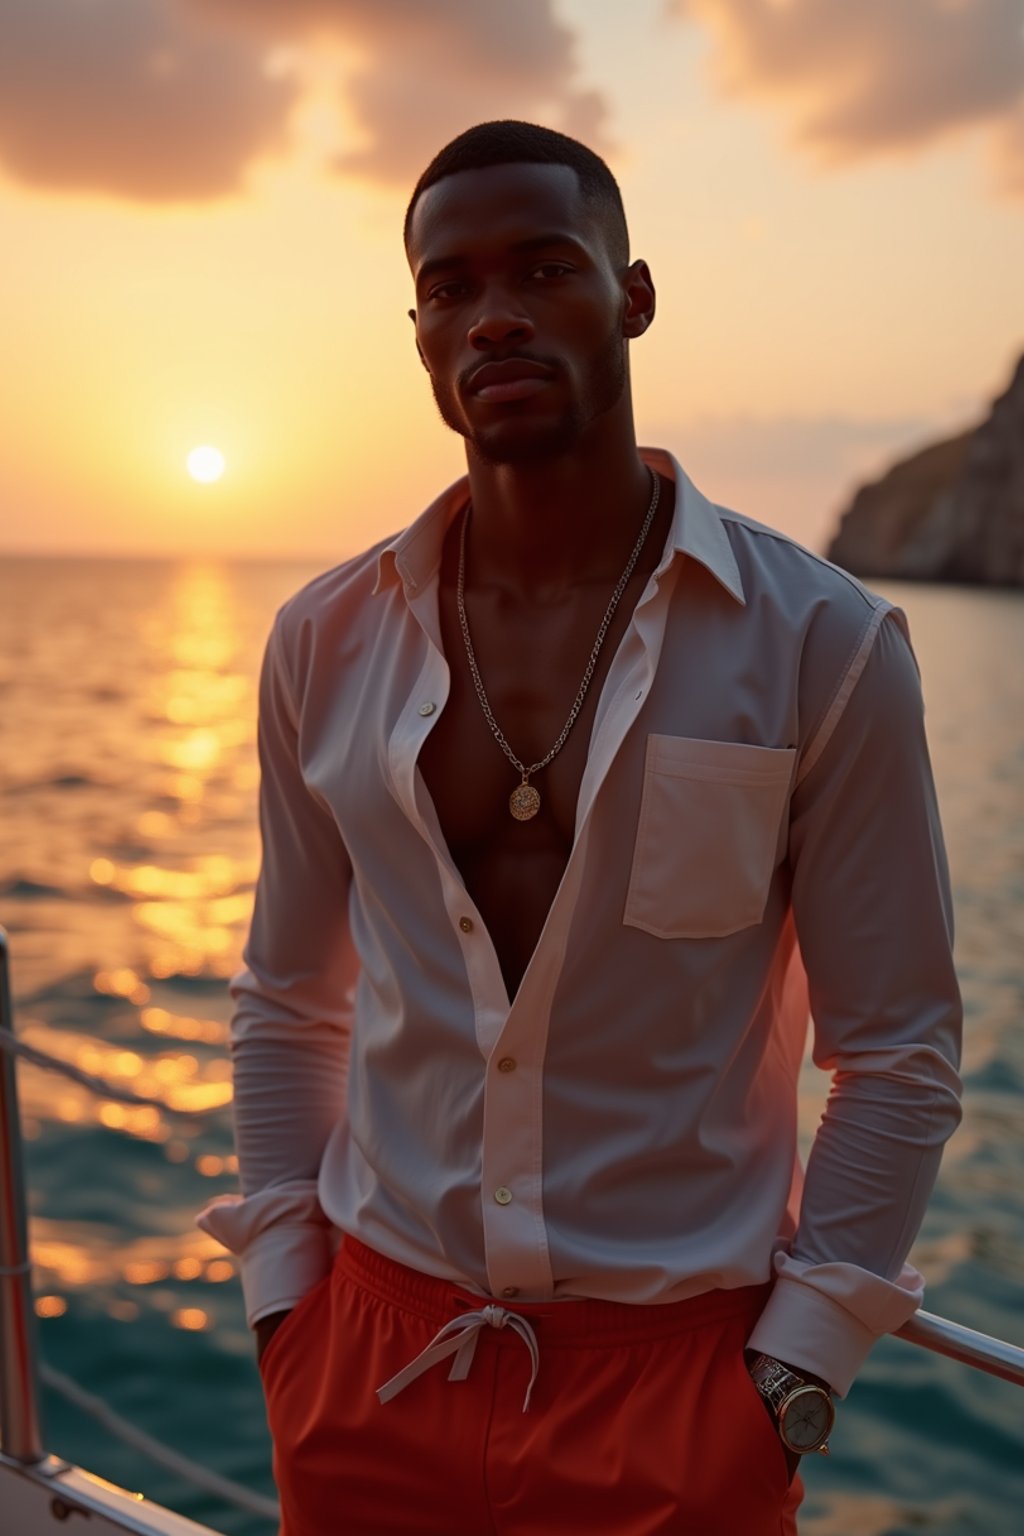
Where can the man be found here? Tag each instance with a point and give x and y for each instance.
(568, 791)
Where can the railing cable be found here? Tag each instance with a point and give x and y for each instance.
(211, 1482)
(98, 1085)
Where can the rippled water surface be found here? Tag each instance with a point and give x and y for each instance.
(127, 859)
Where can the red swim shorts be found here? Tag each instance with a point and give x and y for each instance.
(642, 1420)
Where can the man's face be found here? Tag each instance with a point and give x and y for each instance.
(519, 310)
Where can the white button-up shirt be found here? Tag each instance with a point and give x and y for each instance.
(757, 814)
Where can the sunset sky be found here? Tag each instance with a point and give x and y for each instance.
(200, 244)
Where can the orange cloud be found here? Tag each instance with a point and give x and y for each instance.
(161, 100)
(131, 97)
(862, 77)
(1010, 153)
(426, 71)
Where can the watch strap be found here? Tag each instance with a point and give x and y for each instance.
(774, 1380)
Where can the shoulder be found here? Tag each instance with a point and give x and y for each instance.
(786, 594)
(824, 609)
(358, 599)
(344, 588)
(773, 563)
(326, 616)
(844, 640)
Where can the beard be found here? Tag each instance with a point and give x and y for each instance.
(514, 440)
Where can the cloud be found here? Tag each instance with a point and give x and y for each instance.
(174, 99)
(860, 77)
(1009, 147)
(130, 97)
(426, 71)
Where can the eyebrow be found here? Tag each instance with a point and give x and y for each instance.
(519, 248)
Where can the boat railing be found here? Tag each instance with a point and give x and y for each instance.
(21, 1432)
(22, 1438)
(20, 1422)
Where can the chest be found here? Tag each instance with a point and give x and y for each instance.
(684, 670)
(540, 671)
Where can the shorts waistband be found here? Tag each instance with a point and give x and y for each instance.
(586, 1320)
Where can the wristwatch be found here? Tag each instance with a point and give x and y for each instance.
(804, 1411)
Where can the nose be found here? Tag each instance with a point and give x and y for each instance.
(499, 322)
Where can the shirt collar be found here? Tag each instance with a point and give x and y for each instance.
(697, 530)
(414, 557)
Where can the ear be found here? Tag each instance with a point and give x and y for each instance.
(419, 349)
(638, 287)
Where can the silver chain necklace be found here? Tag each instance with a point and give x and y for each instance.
(524, 801)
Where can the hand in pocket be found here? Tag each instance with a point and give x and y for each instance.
(265, 1330)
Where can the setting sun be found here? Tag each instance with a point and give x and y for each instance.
(206, 464)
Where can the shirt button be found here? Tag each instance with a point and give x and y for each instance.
(507, 1064)
(511, 1290)
(466, 924)
(503, 1195)
(427, 709)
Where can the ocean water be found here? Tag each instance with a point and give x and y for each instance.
(128, 851)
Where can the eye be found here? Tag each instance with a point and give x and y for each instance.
(454, 288)
(549, 271)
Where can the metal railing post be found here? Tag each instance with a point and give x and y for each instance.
(20, 1425)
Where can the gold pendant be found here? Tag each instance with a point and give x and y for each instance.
(524, 802)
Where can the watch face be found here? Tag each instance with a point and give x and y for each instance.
(806, 1419)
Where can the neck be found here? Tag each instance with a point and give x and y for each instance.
(559, 522)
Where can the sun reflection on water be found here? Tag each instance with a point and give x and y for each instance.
(132, 873)
(157, 1021)
(50, 1306)
(189, 905)
(70, 1256)
(190, 1318)
(121, 983)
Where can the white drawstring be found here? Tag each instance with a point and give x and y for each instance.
(459, 1338)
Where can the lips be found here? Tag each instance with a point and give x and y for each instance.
(514, 379)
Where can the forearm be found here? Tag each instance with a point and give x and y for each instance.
(874, 920)
(289, 1098)
(289, 1095)
(293, 1015)
(843, 1280)
(875, 1158)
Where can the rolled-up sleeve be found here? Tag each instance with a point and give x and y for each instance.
(292, 1019)
(873, 911)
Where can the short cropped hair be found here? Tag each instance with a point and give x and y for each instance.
(508, 142)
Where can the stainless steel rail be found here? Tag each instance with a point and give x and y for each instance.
(978, 1349)
(21, 1433)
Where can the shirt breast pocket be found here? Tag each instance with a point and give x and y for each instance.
(710, 818)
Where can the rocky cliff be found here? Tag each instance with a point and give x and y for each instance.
(954, 512)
